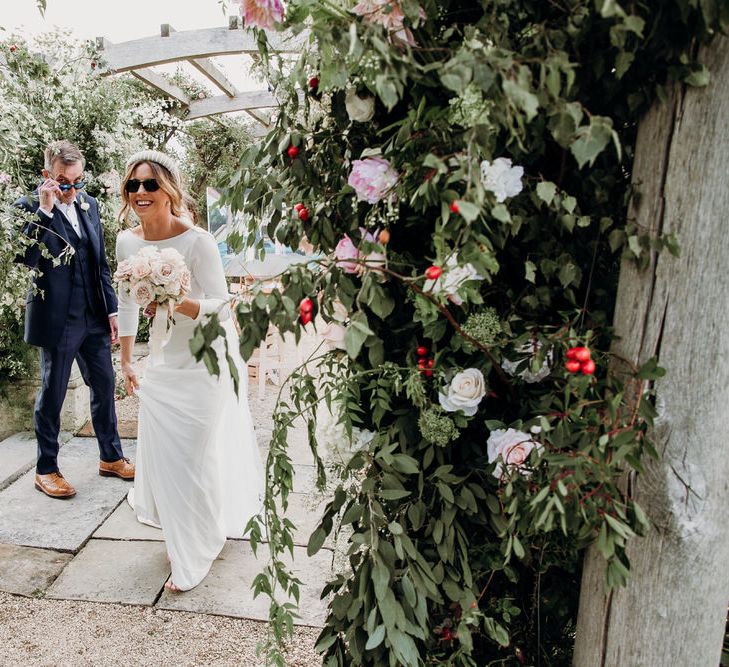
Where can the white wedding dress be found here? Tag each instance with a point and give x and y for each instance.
(199, 472)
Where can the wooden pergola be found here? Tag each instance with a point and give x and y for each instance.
(197, 47)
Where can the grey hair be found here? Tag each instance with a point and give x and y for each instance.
(64, 151)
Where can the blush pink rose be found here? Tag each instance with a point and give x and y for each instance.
(510, 448)
(142, 293)
(346, 250)
(372, 179)
(262, 13)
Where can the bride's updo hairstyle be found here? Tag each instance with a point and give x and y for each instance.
(168, 176)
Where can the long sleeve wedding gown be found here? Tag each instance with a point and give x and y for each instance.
(199, 473)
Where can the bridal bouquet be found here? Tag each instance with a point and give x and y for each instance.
(154, 275)
(160, 276)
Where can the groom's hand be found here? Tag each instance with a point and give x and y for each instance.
(47, 193)
(114, 326)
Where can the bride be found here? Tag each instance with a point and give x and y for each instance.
(199, 472)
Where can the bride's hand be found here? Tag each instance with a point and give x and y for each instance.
(131, 384)
(150, 309)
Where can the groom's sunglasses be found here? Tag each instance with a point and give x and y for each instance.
(65, 187)
(150, 185)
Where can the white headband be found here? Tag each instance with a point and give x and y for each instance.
(156, 156)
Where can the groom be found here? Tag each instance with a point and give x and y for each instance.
(71, 314)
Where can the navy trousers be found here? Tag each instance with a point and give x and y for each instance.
(85, 339)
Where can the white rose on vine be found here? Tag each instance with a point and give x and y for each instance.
(501, 178)
(455, 275)
(510, 448)
(360, 109)
(465, 392)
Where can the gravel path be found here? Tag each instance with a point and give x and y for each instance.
(50, 633)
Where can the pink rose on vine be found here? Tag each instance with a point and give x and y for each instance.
(262, 13)
(372, 179)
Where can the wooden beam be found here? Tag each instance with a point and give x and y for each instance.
(163, 85)
(190, 44)
(206, 67)
(259, 99)
(262, 117)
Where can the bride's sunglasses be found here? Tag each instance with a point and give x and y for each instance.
(150, 185)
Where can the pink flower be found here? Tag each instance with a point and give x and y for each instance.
(143, 293)
(372, 179)
(346, 250)
(510, 448)
(389, 15)
(123, 270)
(262, 13)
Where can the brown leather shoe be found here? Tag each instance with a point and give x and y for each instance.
(121, 468)
(54, 485)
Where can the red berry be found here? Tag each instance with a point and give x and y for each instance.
(305, 318)
(446, 634)
(303, 214)
(428, 373)
(13, 48)
(422, 351)
(588, 367)
(571, 352)
(454, 207)
(429, 363)
(314, 83)
(422, 363)
(306, 306)
(298, 207)
(433, 272)
(93, 65)
(573, 366)
(582, 354)
(293, 151)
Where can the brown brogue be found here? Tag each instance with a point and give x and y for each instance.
(121, 468)
(54, 485)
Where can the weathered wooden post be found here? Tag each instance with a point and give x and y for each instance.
(673, 610)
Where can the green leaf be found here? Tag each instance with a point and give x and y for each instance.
(546, 191)
(698, 78)
(468, 210)
(530, 271)
(316, 540)
(380, 579)
(376, 638)
(521, 97)
(591, 140)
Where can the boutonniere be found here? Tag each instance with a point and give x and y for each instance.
(85, 206)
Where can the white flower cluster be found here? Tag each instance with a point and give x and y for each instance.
(501, 178)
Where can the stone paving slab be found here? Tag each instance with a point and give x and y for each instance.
(18, 454)
(28, 571)
(110, 571)
(123, 525)
(30, 518)
(226, 591)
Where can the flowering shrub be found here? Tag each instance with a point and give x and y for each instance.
(502, 136)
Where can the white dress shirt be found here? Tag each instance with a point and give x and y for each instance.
(69, 211)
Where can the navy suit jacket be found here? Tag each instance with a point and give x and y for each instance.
(46, 307)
